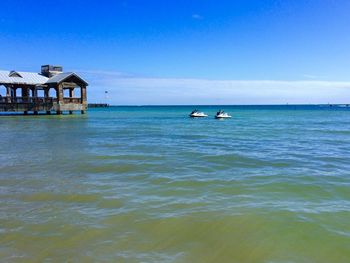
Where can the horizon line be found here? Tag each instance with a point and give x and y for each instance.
(180, 105)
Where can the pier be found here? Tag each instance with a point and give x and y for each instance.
(52, 90)
(98, 105)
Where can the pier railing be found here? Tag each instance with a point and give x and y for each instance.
(72, 100)
(27, 100)
(35, 104)
(37, 100)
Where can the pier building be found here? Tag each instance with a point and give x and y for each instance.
(51, 90)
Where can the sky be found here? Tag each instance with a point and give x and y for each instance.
(187, 52)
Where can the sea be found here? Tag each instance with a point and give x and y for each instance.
(150, 184)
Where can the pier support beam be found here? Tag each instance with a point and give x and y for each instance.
(25, 112)
(71, 93)
(70, 112)
(48, 112)
(34, 92)
(59, 93)
(14, 92)
(46, 93)
(25, 93)
(8, 94)
(35, 112)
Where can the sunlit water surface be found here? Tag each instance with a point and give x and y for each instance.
(149, 184)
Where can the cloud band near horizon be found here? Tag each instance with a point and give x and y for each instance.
(126, 90)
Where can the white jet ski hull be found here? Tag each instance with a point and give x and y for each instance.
(223, 116)
(198, 115)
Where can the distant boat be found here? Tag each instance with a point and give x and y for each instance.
(222, 115)
(197, 114)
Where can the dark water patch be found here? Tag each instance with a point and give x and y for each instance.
(115, 168)
(67, 197)
(192, 183)
(128, 157)
(234, 160)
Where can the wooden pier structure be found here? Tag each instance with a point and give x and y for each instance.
(60, 91)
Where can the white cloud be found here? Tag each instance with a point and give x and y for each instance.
(196, 16)
(313, 77)
(128, 90)
(99, 73)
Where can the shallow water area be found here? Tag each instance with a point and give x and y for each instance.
(150, 184)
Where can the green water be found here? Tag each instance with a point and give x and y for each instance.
(149, 184)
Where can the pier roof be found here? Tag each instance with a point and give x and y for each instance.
(19, 77)
(31, 78)
(65, 76)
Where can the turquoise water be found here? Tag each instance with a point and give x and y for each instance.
(149, 184)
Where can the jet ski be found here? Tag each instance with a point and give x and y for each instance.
(222, 115)
(197, 114)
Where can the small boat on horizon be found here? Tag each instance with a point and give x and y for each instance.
(222, 115)
(197, 114)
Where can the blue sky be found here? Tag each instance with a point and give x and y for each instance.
(187, 52)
